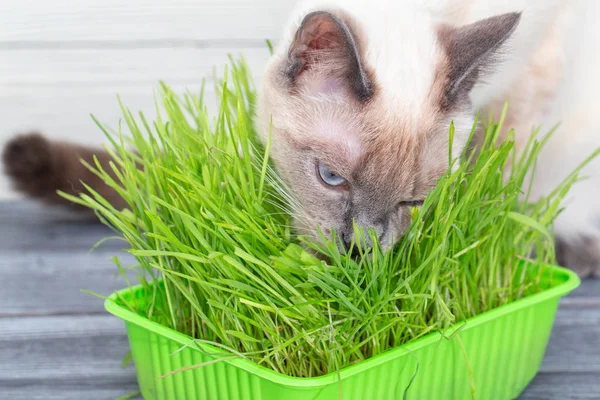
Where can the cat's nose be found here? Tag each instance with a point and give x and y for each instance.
(346, 240)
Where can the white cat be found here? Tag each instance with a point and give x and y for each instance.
(361, 94)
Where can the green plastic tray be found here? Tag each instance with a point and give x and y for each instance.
(504, 348)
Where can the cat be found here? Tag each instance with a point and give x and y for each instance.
(360, 96)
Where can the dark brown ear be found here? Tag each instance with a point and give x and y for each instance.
(324, 41)
(471, 49)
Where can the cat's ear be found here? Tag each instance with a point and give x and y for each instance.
(471, 50)
(324, 43)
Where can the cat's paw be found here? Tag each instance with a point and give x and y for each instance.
(582, 255)
(27, 157)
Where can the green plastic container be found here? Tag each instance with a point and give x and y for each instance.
(504, 348)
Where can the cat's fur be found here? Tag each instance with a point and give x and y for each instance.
(369, 89)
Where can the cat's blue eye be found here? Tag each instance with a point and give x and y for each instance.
(329, 178)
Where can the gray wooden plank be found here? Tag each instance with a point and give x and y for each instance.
(563, 386)
(69, 390)
(52, 283)
(590, 288)
(64, 358)
(57, 327)
(77, 346)
(134, 20)
(574, 345)
(45, 261)
(30, 229)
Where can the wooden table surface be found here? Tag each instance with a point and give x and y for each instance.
(58, 343)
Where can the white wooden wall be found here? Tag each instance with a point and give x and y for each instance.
(62, 60)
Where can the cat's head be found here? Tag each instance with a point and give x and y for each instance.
(360, 124)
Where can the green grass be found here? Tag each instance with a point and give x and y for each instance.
(208, 218)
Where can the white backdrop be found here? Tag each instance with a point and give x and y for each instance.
(62, 60)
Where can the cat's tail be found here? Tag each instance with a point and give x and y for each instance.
(39, 168)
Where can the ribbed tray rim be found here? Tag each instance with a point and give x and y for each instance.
(571, 281)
